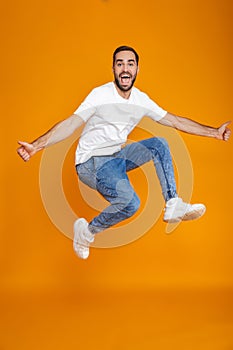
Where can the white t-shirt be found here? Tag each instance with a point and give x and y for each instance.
(110, 118)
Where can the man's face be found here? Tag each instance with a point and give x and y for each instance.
(125, 70)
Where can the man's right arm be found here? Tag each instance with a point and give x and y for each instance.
(57, 133)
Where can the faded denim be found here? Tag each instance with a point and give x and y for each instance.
(108, 175)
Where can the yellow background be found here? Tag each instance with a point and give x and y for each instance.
(162, 291)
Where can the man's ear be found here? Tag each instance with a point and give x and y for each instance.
(138, 70)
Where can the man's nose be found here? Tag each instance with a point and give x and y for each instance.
(124, 67)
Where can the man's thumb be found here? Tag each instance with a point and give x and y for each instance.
(22, 143)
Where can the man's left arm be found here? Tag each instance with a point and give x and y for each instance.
(192, 127)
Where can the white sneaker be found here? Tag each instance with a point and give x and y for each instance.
(82, 238)
(176, 210)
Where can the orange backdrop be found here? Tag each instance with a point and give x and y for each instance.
(53, 54)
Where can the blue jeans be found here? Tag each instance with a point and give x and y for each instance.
(108, 175)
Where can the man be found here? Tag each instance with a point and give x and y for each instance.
(111, 111)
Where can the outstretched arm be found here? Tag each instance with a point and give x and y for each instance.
(191, 127)
(57, 133)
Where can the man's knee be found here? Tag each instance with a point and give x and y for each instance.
(131, 208)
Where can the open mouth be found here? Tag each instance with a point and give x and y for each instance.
(125, 78)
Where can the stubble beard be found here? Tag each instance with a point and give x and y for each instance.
(118, 84)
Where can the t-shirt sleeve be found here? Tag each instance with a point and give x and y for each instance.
(88, 107)
(154, 111)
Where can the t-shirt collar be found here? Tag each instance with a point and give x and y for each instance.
(126, 100)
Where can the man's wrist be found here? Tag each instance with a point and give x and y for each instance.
(213, 132)
(37, 146)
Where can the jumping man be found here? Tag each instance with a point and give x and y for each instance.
(102, 159)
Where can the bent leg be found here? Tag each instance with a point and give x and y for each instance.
(113, 184)
(155, 149)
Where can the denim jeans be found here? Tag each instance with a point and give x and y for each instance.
(108, 175)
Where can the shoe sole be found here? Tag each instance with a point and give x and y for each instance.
(80, 249)
(193, 215)
(196, 214)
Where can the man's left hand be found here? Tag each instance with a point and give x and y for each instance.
(224, 132)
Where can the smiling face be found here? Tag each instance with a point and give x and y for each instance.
(125, 71)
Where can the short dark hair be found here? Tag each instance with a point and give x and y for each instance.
(125, 48)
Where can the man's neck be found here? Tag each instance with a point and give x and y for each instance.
(124, 94)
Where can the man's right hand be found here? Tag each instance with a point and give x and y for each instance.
(26, 150)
